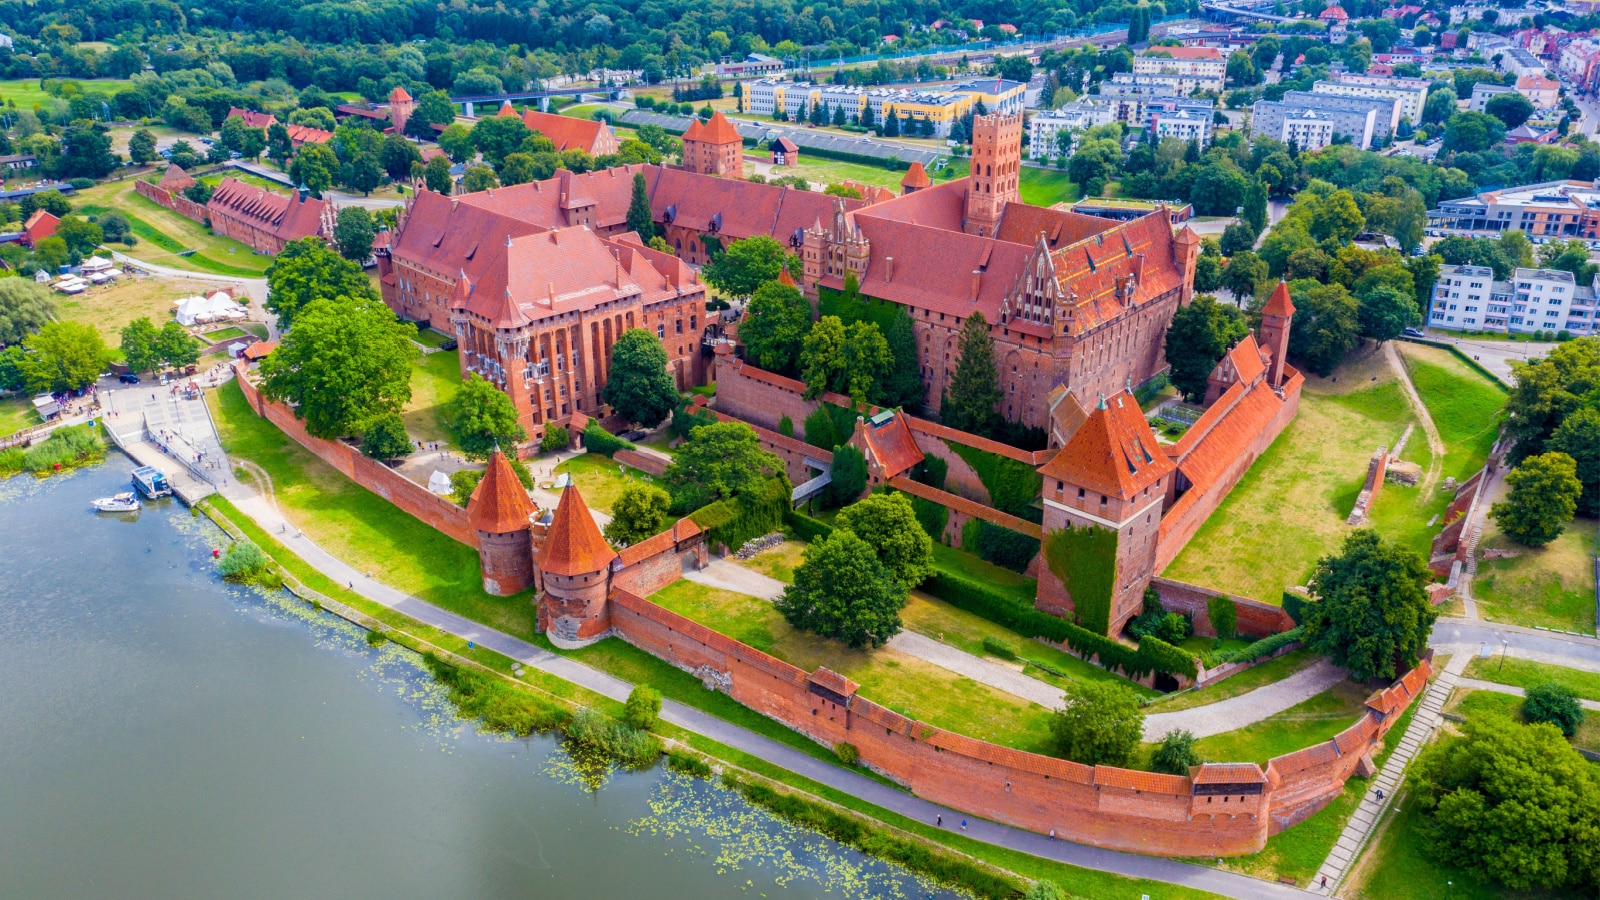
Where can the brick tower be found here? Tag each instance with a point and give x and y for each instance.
(713, 148)
(1111, 475)
(1273, 334)
(996, 166)
(499, 513)
(916, 178)
(1185, 254)
(400, 108)
(575, 566)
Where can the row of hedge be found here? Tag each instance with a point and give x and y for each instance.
(599, 440)
(737, 520)
(1152, 656)
(1267, 646)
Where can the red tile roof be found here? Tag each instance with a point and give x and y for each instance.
(916, 177)
(39, 226)
(286, 217)
(1279, 304)
(1114, 453)
(1146, 782)
(1126, 266)
(305, 134)
(1230, 773)
(1335, 13)
(571, 133)
(399, 95)
(175, 179)
(498, 504)
(717, 131)
(574, 545)
(833, 681)
(259, 350)
(891, 445)
(539, 202)
(252, 118)
(1023, 224)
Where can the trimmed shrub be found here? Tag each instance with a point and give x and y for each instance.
(1553, 703)
(1267, 646)
(556, 437)
(786, 426)
(1224, 616)
(246, 563)
(847, 753)
(1175, 754)
(820, 431)
(805, 528)
(1001, 546)
(1295, 605)
(642, 708)
(996, 647)
(599, 440)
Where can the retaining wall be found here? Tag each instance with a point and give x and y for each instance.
(370, 474)
(644, 462)
(1256, 619)
(178, 203)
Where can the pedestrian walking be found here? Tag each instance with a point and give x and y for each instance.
(963, 824)
(938, 821)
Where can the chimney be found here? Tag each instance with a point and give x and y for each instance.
(552, 285)
(888, 269)
(977, 278)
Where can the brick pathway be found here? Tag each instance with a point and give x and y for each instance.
(1358, 830)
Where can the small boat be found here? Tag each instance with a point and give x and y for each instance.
(127, 501)
(151, 482)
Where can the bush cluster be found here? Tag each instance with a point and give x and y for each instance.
(247, 564)
(66, 447)
(599, 440)
(500, 706)
(629, 746)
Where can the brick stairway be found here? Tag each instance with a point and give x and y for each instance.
(1358, 830)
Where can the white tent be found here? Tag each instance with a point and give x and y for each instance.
(96, 264)
(439, 483)
(197, 310)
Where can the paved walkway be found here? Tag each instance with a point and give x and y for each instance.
(1237, 712)
(1499, 688)
(1228, 884)
(1358, 829)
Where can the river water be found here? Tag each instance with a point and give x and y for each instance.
(165, 734)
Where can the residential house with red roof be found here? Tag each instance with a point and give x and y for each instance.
(39, 226)
(592, 136)
(251, 118)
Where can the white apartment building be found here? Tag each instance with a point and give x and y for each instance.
(1073, 118)
(1195, 68)
(1185, 125)
(1467, 298)
(1312, 129)
(1411, 92)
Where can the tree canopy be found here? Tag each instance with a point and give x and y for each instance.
(306, 270)
(775, 324)
(1543, 499)
(1197, 339)
(1101, 724)
(25, 307)
(639, 512)
(482, 418)
(744, 265)
(638, 386)
(62, 356)
(719, 461)
(1372, 614)
(345, 365)
(844, 592)
(889, 525)
(974, 393)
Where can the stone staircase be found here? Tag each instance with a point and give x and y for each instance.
(1358, 830)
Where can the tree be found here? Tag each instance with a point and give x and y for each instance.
(1337, 218)
(1101, 724)
(774, 327)
(1472, 132)
(518, 168)
(478, 178)
(1543, 499)
(1255, 205)
(1553, 704)
(1549, 390)
(903, 386)
(1385, 312)
(436, 175)
(86, 152)
(1512, 804)
(353, 233)
(81, 235)
(744, 266)
(556, 438)
(640, 389)
(139, 344)
(1175, 755)
(1095, 163)
(1237, 238)
(639, 220)
(820, 353)
(853, 360)
(25, 307)
(1440, 107)
(496, 136)
(314, 166)
(1197, 339)
(1245, 270)
(482, 418)
(433, 108)
(889, 525)
(62, 356)
(1326, 324)
(1241, 72)
(1219, 189)
(819, 431)
(1014, 68)
(397, 155)
(969, 403)
(719, 461)
(279, 146)
(386, 438)
(1511, 108)
(842, 591)
(345, 364)
(175, 347)
(639, 512)
(363, 173)
(642, 708)
(1578, 436)
(114, 226)
(142, 146)
(1373, 615)
(308, 269)
(456, 140)
(849, 476)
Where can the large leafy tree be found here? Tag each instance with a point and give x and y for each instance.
(639, 388)
(1384, 312)
(844, 592)
(903, 386)
(1198, 337)
(639, 220)
(1513, 804)
(306, 270)
(25, 307)
(1101, 724)
(1245, 270)
(1472, 132)
(433, 108)
(1337, 217)
(354, 232)
(745, 266)
(1543, 499)
(496, 136)
(345, 365)
(62, 356)
(819, 354)
(139, 344)
(314, 166)
(889, 525)
(774, 326)
(974, 393)
(175, 347)
(1511, 108)
(1548, 391)
(639, 512)
(481, 417)
(1326, 324)
(436, 175)
(386, 438)
(1372, 616)
(853, 359)
(719, 461)
(1579, 437)
(397, 155)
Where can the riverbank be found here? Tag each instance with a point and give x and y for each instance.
(931, 851)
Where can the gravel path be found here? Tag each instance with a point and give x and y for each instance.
(977, 668)
(1435, 442)
(728, 576)
(1237, 712)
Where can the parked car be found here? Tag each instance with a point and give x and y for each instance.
(128, 378)
(1415, 332)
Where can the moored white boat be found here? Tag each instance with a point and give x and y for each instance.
(127, 501)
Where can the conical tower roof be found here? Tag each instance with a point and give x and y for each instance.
(916, 177)
(499, 504)
(1279, 304)
(574, 544)
(506, 109)
(1114, 452)
(785, 279)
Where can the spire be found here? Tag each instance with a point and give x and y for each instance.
(916, 178)
(785, 279)
(1280, 304)
(1187, 236)
(499, 505)
(574, 545)
(463, 291)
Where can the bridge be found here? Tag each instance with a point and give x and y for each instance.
(1237, 10)
(543, 95)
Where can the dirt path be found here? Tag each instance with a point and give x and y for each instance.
(1435, 443)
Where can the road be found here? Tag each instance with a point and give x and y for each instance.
(1496, 356)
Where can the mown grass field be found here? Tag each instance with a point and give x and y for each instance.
(1526, 673)
(433, 382)
(164, 234)
(108, 308)
(16, 413)
(26, 92)
(1465, 406)
(602, 479)
(1296, 728)
(1550, 586)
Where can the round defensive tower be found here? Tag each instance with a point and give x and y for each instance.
(575, 563)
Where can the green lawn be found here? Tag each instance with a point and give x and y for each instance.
(1235, 685)
(361, 527)
(1465, 406)
(902, 683)
(26, 93)
(1551, 586)
(226, 334)
(244, 177)
(1044, 187)
(16, 413)
(1296, 728)
(431, 339)
(970, 567)
(824, 170)
(164, 234)
(1290, 508)
(433, 383)
(601, 479)
(1526, 673)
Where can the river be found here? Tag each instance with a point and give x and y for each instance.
(165, 734)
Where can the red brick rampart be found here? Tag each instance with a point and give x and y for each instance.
(644, 462)
(1256, 619)
(178, 203)
(370, 474)
(1223, 809)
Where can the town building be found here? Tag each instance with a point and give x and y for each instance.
(713, 148)
(1483, 92)
(1519, 62)
(1310, 125)
(1045, 128)
(1124, 210)
(1411, 92)
(1139, 105)
(1197, 68)
(932, 110)
(1383, 125)
(1184, 124)
(752, 64)
(266, 220)
(400, 108)
(1542, 92)
(592, 136)
(1565, 209)
(39, 226)
(784, 152)
(251, 118)
(1467, 298)
(1338, 22)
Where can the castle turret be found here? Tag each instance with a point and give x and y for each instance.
(714, 148)
(1186, 255)
(400, 108)
(499, 513)
(1276, 318)
(916, 178)
(575, 566)
(996, 168)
